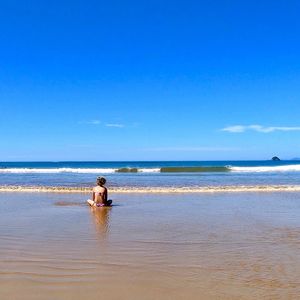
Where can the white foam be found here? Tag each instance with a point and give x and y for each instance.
(154, 170)
(287, 168)
(55, 170)
(69, 170)
(160, 190)
(261, 169)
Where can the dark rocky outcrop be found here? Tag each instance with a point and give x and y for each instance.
(275, 158)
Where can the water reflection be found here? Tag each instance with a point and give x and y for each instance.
(101, 219)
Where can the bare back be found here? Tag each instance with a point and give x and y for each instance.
(100, 194)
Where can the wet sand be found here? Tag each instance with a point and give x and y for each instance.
(155, 246)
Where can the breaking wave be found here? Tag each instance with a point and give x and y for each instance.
(212, 169)
(265, 169)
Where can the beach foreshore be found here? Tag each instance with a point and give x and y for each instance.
(150, 246)
(154, 190)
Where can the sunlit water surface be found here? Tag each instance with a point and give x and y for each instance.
(199, 246)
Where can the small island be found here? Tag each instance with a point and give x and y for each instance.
(275, 158)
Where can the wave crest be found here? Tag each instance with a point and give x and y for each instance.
(264, 169)
(211, 169)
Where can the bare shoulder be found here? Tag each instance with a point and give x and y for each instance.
(102, 189)
(99, 189)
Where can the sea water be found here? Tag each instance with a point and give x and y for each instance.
(159, 174)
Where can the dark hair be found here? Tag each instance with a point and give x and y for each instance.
(101, 180)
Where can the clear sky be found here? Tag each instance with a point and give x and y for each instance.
(149, 80)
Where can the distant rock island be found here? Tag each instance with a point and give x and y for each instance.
(276, 158)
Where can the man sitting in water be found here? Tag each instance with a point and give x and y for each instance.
(99, 197)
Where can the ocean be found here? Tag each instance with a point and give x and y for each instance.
(151, 174)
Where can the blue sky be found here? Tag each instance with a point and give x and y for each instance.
(149, 80)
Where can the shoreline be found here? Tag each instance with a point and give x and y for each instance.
(154, 190)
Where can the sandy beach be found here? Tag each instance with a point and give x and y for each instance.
(183, 246)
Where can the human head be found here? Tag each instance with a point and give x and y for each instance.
(101, 180)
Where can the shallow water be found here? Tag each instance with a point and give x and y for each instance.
(198, 246)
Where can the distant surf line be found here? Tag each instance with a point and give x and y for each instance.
(198, 169)
(155, 190)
